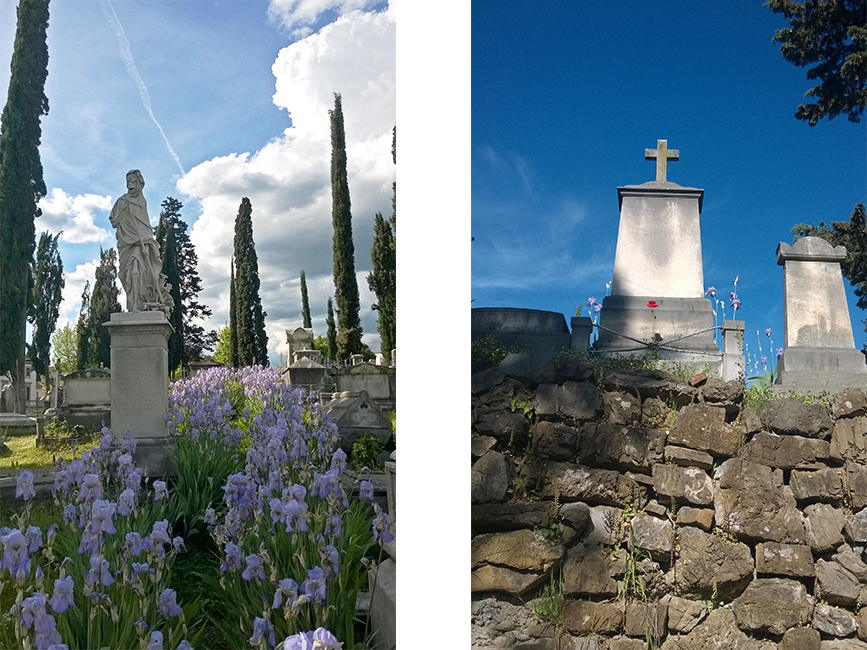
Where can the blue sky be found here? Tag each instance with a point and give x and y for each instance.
(214, 101)
(567, 96)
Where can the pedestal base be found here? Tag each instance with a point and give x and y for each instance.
(816, 370)
(140, 384)
(684, 325)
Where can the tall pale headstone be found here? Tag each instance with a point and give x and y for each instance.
(819, 351)
(657, 293)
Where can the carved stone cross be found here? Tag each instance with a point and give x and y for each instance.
(662, 154)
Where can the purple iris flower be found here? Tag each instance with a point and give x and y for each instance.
(366, 491)
(63, 597)
(91, 488)
(168, 605)
(160, 490)
(24, 485)
(156, 642)
(102, 514)
(126, 503)
(338, 460)
(34, 538)
(764, 360)
(288, 588)
(314, 586)
(99, 570)
(262, 629)
(254, 568)
(233, 558)
(779, 353)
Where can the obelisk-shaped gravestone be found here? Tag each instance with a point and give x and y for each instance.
(657, 294)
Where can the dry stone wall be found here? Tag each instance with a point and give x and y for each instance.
(666, 515)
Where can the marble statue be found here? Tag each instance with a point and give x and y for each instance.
(138, 252)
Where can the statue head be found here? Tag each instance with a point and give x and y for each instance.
(134, 179)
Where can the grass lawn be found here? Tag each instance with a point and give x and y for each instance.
(22, 452)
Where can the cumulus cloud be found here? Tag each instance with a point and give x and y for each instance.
(299, 16)
(288, 180)
(73, 215)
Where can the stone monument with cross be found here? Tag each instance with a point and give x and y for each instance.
(657, 299)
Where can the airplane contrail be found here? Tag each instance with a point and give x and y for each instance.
(126, 56)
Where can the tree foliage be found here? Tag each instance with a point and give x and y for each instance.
(64, 349)
(21, 182)
(830, 36)
(94, 347)
(82, 329)
(249, 318)
(853, 235)
(331, 331)
(382, 282)
(195, 339)
(45, 296)
(223, 351)
(345, 283)
(305, 303)
(172, 272)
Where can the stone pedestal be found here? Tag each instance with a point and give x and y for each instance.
(819, 353)
(658, 262)
(734, 363)
(140, 385)
(582, 328)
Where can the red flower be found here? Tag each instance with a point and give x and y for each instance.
(652, 304)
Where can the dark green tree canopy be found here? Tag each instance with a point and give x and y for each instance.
(345, 283)
(305, 303)
(171, 269)
(331, 331)
(46, 293)
(382, 281)
(830, 36)
(95, 350)
(21, 182)
(250, 319)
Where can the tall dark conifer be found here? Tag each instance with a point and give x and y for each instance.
(46, 294)
(250, 319)
(305, 303)
(331, 332)
(194, 337)
(345, 284)
(233, 320)
(103, 303)
(382, 282)
(172, 272)
(82, 329)
(21, 183)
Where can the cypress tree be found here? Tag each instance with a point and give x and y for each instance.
(21, 183)
(194, 337)
(233, 320)
(46, 294)
(172, 272)
(103, 303)
(382, 282)
(345, 284)
(250, 319)
(331, 332)
(305, 303)
(81, 329)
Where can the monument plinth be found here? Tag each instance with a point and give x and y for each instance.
(657, 293)
(140, 385)
(819, 351)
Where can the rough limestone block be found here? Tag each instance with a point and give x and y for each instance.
(575, 515)
(593, 486)
(786, 451)
(480, 445)
(621, 408)
(625, 643)
(583, 617)
(852, 562)
(791, 417)
(555, 441)
(685, 484)
(824, 485)
(837, 585)
(849, 404)
(578, 401)
(602, 528)
(489, 577)
(644, 618)
(508, 428)
(586, 573)
(790, 560)
(623, 448)
(717, 631)
(856, 482)
(684, 457)
(502, 517)
(849, 440)
(702, 427)
(801, 638)
(833, 621)
(490, 477)
(684, 615)
(824, 525)
(753, 503)
(520, 549)
(856, 528)
(772, 605)
(708, 563)
(701, 517)
(654, 535)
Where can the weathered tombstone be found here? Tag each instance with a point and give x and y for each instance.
(522, 330)
(301, 338)
(87, 398)
(378, 382)
(819, 353)
(307, 373)
(139, 337)
(657, 297)
(355, 413)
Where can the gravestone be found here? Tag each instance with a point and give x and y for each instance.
(539, 332)
(819, 353)
(301, 338)
(657, 294)
(307, 372)
(87, 398)
(355, 413)
(378, 382)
